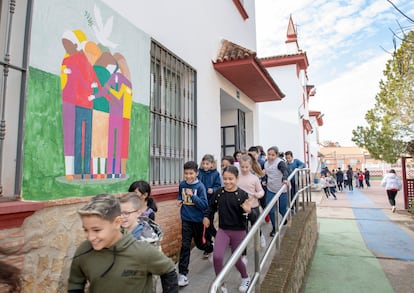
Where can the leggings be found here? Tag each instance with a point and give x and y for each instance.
(391, 196)
(225, 238)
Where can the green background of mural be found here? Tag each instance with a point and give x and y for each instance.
(43, 145)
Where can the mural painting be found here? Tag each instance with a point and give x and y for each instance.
(96, 104)
(88, 145)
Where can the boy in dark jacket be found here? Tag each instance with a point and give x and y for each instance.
(210, 177)
(192, 199)
(112, 260)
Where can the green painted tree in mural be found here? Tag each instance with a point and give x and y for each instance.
(390, 127)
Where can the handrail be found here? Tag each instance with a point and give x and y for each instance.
(303, 183)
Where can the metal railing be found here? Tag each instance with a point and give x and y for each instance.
(302, 180)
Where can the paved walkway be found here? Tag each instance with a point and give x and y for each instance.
(362, 245)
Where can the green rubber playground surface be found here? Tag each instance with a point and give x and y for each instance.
(342, 263)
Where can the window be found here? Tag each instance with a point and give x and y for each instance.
(228, 140)
(173, 121)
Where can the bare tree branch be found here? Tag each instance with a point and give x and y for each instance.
(396, 8)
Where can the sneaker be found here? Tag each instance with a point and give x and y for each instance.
(206, 254)
(244, 260)
(182, 280)
(393, 209)
(223, 289)
(210, 258)
(273, 233)
(262, 241)
(244, 284)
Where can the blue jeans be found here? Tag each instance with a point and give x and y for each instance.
(283, 202)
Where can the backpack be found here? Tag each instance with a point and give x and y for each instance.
(149, 231)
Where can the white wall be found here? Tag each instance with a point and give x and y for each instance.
(193, 30)
(279, 122)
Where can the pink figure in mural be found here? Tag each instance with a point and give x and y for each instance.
(118, 89)
(126, 118)
(78, 82)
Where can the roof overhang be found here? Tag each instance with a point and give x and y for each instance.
(318, 115)
(243, 69)
(299, 59)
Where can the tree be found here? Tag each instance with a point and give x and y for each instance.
(391, 121)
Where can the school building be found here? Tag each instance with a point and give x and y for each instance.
(98, 94)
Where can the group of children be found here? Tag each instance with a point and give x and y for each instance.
(236, 196)
(111, 260)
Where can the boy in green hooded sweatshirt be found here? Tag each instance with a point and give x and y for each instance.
(112, 260)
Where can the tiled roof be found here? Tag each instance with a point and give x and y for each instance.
(230, 51)
(242, 68)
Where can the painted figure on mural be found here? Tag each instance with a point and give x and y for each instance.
(97, 103)
(78, 82)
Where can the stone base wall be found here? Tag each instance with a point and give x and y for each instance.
(287, 271)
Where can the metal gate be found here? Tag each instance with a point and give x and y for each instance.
(408, 186)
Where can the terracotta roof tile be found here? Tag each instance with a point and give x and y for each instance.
(230, 51)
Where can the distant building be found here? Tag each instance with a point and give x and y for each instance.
(356, 157)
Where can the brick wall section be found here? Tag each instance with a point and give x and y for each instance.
(287, 271)
(168, 216)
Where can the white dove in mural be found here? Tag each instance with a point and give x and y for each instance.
(103, 31)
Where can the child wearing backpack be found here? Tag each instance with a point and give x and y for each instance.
(141, 227)
(210, 177)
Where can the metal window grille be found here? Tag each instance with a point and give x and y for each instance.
(173, 123)
(15, 23)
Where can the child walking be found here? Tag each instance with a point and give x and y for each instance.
(111, 259)
(210, 177)
(392, 184)
(192, 199)
(330, 180)
(232, 203)
(143, 191)
(250, 182)
(324, 185)
(277, 173)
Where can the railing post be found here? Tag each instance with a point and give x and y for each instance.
(257, 258)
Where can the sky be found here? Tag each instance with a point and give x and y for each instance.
(347, 42)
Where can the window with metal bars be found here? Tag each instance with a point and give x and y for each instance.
(173, 121)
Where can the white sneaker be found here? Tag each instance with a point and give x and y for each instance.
(393, 209)
(244, 284)
(210, 258)
(245, 260)
(182, 280)
(262, 241)
(223, 289)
